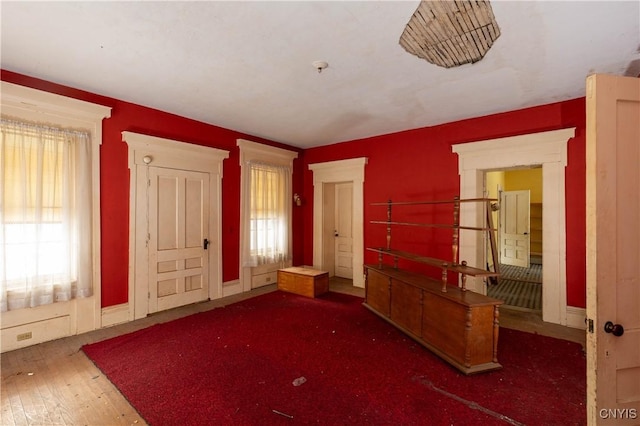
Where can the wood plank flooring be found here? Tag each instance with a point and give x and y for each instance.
(54, 383)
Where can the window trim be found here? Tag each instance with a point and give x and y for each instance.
(253, 151)
(44, 107)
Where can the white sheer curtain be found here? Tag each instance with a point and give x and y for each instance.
(45, 215)
(268, 223)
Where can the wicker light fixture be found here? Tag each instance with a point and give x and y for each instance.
(451, 33)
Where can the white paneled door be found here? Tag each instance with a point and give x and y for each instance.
(344, 230)
(613, 250)
(514, 228)
(178, 232)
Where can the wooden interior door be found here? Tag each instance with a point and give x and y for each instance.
(613, 250)
(514, 228)
(344, 230)
(178, 228)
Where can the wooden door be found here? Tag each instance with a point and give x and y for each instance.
(613, 250)
(344, 230)
(514, 228)
(178, 228)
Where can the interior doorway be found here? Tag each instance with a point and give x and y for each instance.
(175, 226)
(518, 219)
(548, 149)
(326, 178)
(338, 229)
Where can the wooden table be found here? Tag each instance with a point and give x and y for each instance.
(303, 281)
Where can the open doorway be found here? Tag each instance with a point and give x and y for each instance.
(338, 229)
(342, 180)
(518, 218)
(548, 149)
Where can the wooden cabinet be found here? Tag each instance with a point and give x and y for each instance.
(459, 326)
(304, 281)
(378, 296)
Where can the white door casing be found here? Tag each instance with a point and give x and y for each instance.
(170, 154)
(613, 250)
(514, 228)
(351, 170)
(344, 230)
(548, 149)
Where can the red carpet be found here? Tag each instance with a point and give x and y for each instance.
(236, 365)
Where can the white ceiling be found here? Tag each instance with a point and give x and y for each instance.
(246, 66)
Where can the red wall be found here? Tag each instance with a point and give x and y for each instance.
(420, 165)
(115, 179)
(411, 165)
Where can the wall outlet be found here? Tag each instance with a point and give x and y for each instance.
(24, 336)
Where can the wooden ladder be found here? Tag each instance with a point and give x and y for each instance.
(494, 248)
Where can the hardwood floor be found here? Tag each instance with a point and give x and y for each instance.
(531, 322)
(54, 383)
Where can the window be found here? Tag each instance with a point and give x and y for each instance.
(269, 213)
(266, 203)
(60, 122)
(45, 236)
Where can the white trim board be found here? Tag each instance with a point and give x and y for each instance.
(548, 149)
(114, 315)
(229, 288)
(576, 317)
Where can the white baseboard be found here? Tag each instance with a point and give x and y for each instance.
(230, 288)
(116, 314)
(575, 317)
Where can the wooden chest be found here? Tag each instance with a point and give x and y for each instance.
(304, 281)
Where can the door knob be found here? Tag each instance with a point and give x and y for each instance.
(205, 243)
(615, 329)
